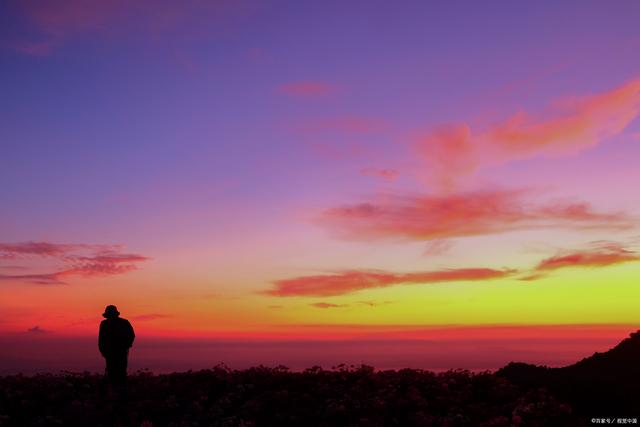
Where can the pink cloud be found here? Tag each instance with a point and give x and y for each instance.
(76, 260)
(107, 258)
(46, 249)
(386, 174)
(571, 124)
(38, 279)
(96, 269)
(347, 282)
(449, 153)
(307, 89)
(432, 217)
(56, 22)
(601, 255)
(102, 264)
(53, 23)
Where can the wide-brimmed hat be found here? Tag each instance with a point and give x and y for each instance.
(111, 311)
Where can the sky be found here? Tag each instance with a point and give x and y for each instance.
(423, 184)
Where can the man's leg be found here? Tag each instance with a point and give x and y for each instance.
(120, 368)
(111, 368)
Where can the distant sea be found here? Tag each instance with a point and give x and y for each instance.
(32, 353)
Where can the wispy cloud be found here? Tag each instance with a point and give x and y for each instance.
(75, 259)
(38, 279)
(47, 249)
(454, 151)
(530, 277)
(437, 247)
(432, 217)
(374, 303)
(328, 305)
(601, 254)
(347, 282)
(307, 89)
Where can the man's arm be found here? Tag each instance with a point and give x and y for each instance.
(132, 335)
(102, 339)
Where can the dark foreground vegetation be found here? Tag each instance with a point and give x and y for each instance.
(347, 396)
(605, 386)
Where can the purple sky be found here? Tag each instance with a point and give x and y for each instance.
(240, 167)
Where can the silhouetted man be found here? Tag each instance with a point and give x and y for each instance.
(115, 338)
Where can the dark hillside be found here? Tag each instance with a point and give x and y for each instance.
(604, 384)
